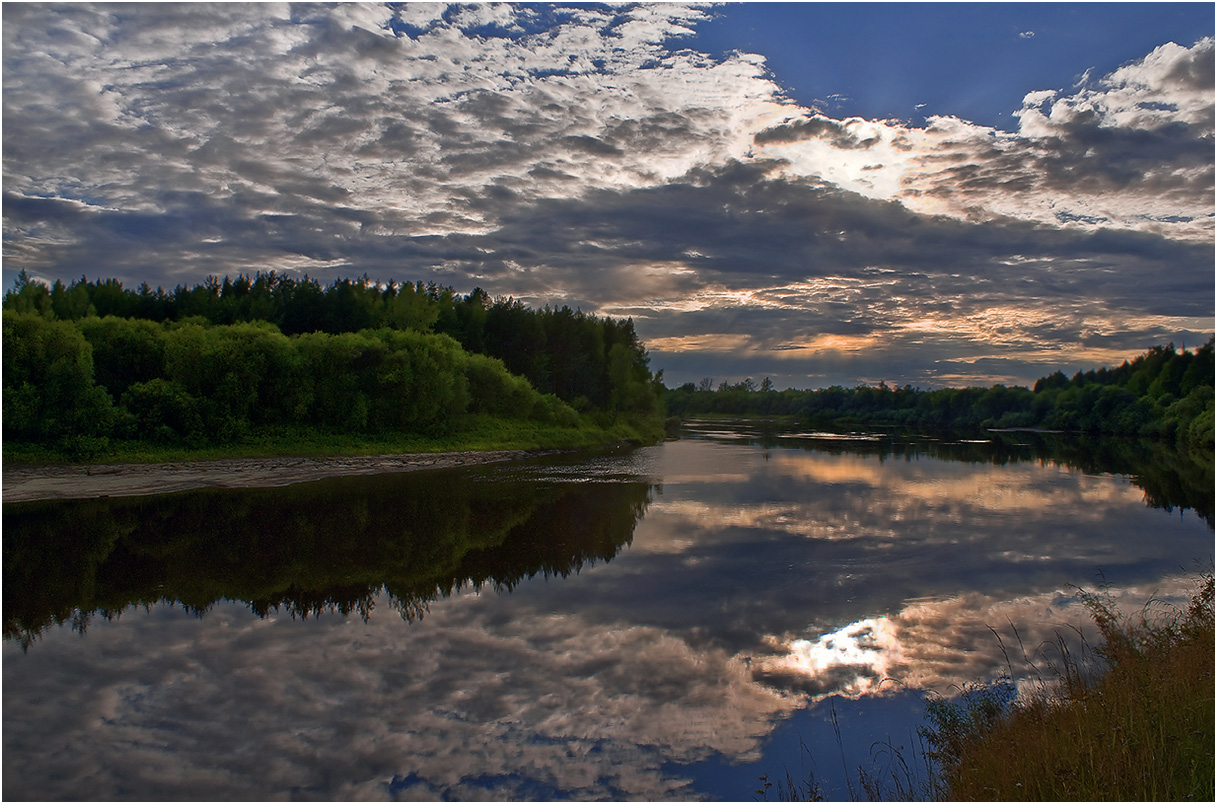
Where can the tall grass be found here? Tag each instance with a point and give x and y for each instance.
(1131, 722)
(1130, 719)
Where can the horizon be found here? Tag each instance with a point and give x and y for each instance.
(934, 195)
(714, 382)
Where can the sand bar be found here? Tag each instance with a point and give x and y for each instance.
(25, 483)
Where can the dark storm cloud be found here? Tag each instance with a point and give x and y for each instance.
(1088, 157)
(745, 226)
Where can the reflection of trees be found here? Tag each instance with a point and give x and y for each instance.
(303, 550)
(1171, 478)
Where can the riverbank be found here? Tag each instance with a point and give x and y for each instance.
(1136, 726)
(60, 482)
(282, 456)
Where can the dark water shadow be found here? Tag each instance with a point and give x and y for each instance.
(330, 546)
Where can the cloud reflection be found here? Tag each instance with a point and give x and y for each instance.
(760, 580)
(854, 660)
(339, 709)
(941, 645)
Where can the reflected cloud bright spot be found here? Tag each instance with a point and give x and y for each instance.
(851, 661)
(943, 645)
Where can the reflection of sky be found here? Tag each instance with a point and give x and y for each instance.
(759, 581)
(161, 705)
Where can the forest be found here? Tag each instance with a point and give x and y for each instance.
(92, 363)
(1164, 393)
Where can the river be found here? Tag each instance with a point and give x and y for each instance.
(665, 623)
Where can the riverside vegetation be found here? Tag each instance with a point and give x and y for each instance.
(1166, 394)
(1134, 724)
(272, 365)
(1131, 719)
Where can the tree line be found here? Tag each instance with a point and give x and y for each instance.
(94, 361)
(1164, 393)
(587, 361)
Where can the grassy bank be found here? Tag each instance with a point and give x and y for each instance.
(473, 432)
(1131, 719)
(1137, 725)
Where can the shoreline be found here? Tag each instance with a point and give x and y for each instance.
(71, 482)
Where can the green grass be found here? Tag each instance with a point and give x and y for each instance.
(473, 432)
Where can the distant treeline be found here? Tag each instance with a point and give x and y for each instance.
(1163, 393)
(209, 363)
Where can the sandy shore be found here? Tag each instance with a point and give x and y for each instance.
(23, 483)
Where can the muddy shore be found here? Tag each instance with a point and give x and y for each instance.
(25, 483)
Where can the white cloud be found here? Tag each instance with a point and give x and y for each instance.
(1171, 85)
(419, 139)
(412, 128)
(1133, 151)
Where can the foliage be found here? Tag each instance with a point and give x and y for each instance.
(194, 384)
(49, 392)
(584, 360)
(219, 363)
(1163, 393)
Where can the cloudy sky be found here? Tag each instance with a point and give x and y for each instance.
(820, 193)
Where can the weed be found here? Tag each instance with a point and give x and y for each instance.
(1130, 719)
(1133, 723)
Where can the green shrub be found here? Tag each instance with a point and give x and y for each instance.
(495, 391)
(163, 411)
(49, 390)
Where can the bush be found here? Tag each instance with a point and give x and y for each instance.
(495, 391)
(549, 409)
(124, 351)
(49, 390)
(163, 411)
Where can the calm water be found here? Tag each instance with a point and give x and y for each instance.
(664, 623)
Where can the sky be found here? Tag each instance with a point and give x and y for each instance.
(928, 194)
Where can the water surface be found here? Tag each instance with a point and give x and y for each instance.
(662, 623)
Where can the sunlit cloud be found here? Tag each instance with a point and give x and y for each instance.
(587, 156)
